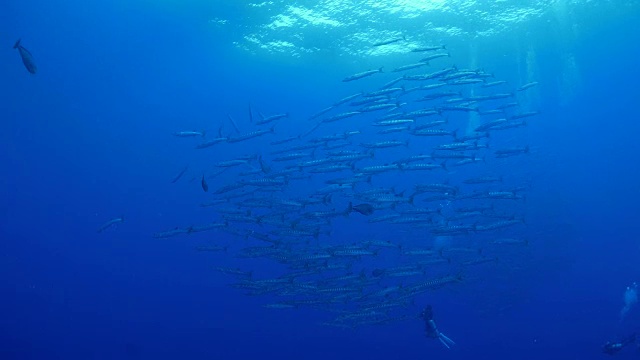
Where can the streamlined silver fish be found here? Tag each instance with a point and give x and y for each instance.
(361, 75)
(110, 223)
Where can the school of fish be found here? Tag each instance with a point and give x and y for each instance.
(391, 193)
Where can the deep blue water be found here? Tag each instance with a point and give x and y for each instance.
(89, 138)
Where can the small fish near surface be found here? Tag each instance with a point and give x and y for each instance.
(27, 58)
(364, 209)
(361, 75)
(389, 41)
(110, 223)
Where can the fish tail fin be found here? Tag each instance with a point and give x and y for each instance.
(17, 44)
(444, 47)
(380, 69)
(273, 129)
(349, 208)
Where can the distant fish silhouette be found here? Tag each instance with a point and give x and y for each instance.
(205, 186)
(110, 223)
(27, 58)
(378, 272)
(364, 209)
(179, 175)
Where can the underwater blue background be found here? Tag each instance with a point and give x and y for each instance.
(88, 139)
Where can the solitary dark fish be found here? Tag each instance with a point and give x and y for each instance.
(179, 175)
(364, 209)
(205, 186)
(378, 272)
(233, 122)
(390, 41)
(111, 222)
(27, 58)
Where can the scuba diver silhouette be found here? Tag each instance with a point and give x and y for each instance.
(431, 330)
(612, 348)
